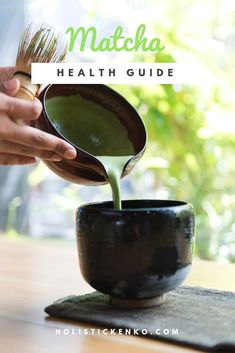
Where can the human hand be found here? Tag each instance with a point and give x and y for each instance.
(20, 143)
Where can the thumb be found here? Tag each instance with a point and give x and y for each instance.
(10, 87)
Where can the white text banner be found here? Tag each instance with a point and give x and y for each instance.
(133, 73)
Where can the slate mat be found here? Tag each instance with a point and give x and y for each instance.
(205, 318)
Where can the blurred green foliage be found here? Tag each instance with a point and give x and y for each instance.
(191, 128)
(199, 162)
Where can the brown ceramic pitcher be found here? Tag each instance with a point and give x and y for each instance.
(86, 169)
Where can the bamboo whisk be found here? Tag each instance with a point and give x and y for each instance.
(38, 43)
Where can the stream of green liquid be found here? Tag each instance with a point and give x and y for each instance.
(96, 130)
(114, 166)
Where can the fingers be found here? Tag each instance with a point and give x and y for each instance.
(37, 139)
(14, 148)
(19, 109)
(10, 159)
(13, 110)
(6, 73)
(10, 87)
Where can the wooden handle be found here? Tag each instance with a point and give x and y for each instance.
(27, 90)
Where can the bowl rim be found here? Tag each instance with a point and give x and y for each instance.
(171, 205)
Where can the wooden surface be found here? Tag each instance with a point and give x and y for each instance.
(35, 273)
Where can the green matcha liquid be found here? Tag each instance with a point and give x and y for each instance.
(97, 131)
(114, 167)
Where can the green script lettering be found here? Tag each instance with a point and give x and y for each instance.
(113, 42)
(125, 45)
(116, 37)
(84, 35)
(139, 40)
(155, 45)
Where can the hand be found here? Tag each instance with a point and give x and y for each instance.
(20, 143)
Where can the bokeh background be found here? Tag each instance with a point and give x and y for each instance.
(191, 128)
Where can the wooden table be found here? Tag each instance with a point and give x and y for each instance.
(35, 273)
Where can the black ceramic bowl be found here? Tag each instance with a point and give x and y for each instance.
(137, 254)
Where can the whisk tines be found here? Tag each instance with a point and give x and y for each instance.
(39, 43)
